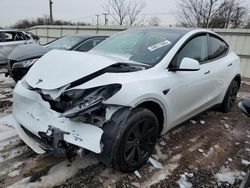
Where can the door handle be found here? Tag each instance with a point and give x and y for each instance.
(230, 64)
(207, 72)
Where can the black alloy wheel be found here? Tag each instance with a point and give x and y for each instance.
(139, 142)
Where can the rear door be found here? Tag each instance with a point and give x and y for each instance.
(220, 66)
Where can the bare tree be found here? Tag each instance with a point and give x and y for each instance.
(154, 21)
(211, 13)
(134, 9)
(197, 13)
(247, 26)
(117, 9)
(231, 14)
(240, 17)
(140, 21)
(124, 11)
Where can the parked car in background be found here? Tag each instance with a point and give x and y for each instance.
(116, 99)
(24, 56)
(9, 39)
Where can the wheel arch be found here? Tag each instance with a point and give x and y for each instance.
(223, 104)
(238, 79)
(158, 110)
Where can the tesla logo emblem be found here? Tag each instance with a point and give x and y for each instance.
(39, 81)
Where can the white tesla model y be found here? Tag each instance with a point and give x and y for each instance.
(118, 98)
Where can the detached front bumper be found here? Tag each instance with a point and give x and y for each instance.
(35, 116)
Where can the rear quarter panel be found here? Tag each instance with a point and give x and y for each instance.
(233, 70)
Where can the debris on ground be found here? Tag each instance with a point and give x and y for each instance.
(155, 163)
(226, 126)
(201, 150)
(135, 184)
(245, 162)
(14, 173)
(193, 122)
(183, 182)
(202, 122)
(227, 175)
(137, 174)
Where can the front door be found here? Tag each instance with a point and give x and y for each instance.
(190, 90)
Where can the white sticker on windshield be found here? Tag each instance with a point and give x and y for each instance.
(159, 45)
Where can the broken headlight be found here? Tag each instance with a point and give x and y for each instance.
(90, 99)
(24, 64)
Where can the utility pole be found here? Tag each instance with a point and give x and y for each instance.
(97, 20)
(50, 12)
(105, 18)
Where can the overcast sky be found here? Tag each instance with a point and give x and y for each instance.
(76, 10)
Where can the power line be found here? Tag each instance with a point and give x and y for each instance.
(84, 17)
(106, 15)
(156, 14)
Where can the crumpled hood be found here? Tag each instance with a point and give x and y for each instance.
(27, 51)
(59, 68)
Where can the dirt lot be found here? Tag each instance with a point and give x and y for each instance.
(212, 150)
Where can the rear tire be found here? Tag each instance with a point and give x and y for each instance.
(128, 145)
(230, 97)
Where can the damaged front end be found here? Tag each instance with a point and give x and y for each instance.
(53, 141)
(62, 121)
(83, 105)
(56, 111)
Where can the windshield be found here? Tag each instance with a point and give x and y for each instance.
(65, 43)
(143, 46)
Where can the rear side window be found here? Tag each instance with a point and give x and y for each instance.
(19, 36)
(8, 36)
(217, 47)
(197, 49)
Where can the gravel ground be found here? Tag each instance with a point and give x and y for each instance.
(212, 150)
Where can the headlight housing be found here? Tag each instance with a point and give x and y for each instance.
(24, 64)
(89, 99)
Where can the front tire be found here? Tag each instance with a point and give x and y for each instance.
(230, 97)
(131, 142)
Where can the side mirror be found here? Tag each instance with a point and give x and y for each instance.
(188, 64)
